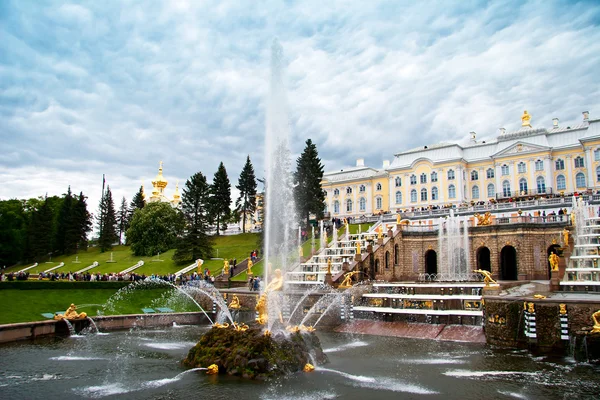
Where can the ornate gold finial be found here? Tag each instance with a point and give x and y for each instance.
(525, 118)
(160, 164)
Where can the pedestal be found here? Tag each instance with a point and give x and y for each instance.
(390, 233)
(380, 241)
(491, 290)
(358, 257)
(554, 281)
(345, 266)
(328, 279)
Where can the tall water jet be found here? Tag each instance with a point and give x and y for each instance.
(453, 242)
(280, 215)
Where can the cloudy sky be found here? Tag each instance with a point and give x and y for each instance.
(113, 87)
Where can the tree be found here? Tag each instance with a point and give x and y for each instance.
(82, 222)
(122, 218)
(308, 193)
(107, 222)
(13, 225)
(41, 227)
(195, 243)
(138, 202)
(246, 203)
(154, 229)
(220, 199)
(66, 237)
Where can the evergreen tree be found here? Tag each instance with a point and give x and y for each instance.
(122, 218)
(138, 202)
(195, 243)
(308, 193)
(65, 241)
(155, 228)
(82, 222)
(220, 199)
(246, 203)
(40, 232)
(13, 231)
(107, 222)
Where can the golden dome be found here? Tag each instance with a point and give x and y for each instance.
(160, 181)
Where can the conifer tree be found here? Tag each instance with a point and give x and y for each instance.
(40, 232)
(308, 193)
(246, 202)
(220, 199)
(65, 242)
(82, 222)
(107, 222)
(122, 219)
(138, 202)
(195, 243)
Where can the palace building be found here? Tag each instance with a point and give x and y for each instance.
(159, 183)
(529, 162)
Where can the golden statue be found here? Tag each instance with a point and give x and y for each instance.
(345, 221)
(347, 282)
(596, 319)
(573, 218)
(71, 314)
(398, 218)
(483, 220)
(199, 263)
(329, 266)
(275, 285)
(225, 267)
(380, 232)
(553, 259)
(539, 296)
(235, 303)
(212, 369)
(565, 233)
(300, 251)
(525, 118)
(308, 368)
(292, 329)
(487, 277)
(240, 327)
(250, 264)
(222, 326)
(563, 309)
(304, 328)
(530, 308)
(358, 247)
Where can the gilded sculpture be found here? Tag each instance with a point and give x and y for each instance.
(71, 314)
(250, 264)
(530, 308)
(562, 309)
(308, 367)
(347, 282)
(212, 369)
(526, 118)
(329, 266)
(487, 277)
(565, 233)
(483, 220)
(225, 267)
(596, 319)
(380, 231)
(358, 247)
(275, 285)
(235, 303)
(554, 260)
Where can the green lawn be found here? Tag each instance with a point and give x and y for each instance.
(235, 246)
(27, 305)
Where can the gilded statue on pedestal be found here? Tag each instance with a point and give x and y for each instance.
(566, 236)
(275, 285)
(347, 282)
(553, 259)
(526, 118)
(487, 277)
(380, 232)
(250, 264)
(483, 220)
(596, 319)
(235, 303)
(358, 247)
(225, 267)
(71, 314)
(329, 266)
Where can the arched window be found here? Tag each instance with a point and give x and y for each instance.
(398, 181)
(349, 205)
(450, 174)
(579, 162)
(491, 190)
(423, 194)
(434, 177)
(423, 178)
(561, 183)
(378, 186)
(539, 165)
(580, 180)
(336, 207)
(475, 192)
(434, 193)
(348, 190)
(474, 175)
(336, 192)
(413, 179)
(521, 167)
(362, 204)
(598, 174)
(506, 189)
(505, 170)
(378, 203)
(398, 197)
(490, 173)
(522, 186)
(559, 164)
(413, 196)
(451, 192)
(541, 184)
(362, 188)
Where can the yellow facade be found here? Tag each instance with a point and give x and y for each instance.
(529, 162)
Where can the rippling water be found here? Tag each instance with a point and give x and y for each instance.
(145, 364)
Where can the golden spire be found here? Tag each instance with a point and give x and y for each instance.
(525, 118)
(160, 181)
(176, 196)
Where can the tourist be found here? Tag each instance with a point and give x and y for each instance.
(250, 283)
(257, 284)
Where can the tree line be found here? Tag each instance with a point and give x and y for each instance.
(36, 229)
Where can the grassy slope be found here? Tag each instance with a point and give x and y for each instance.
(236, 246)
